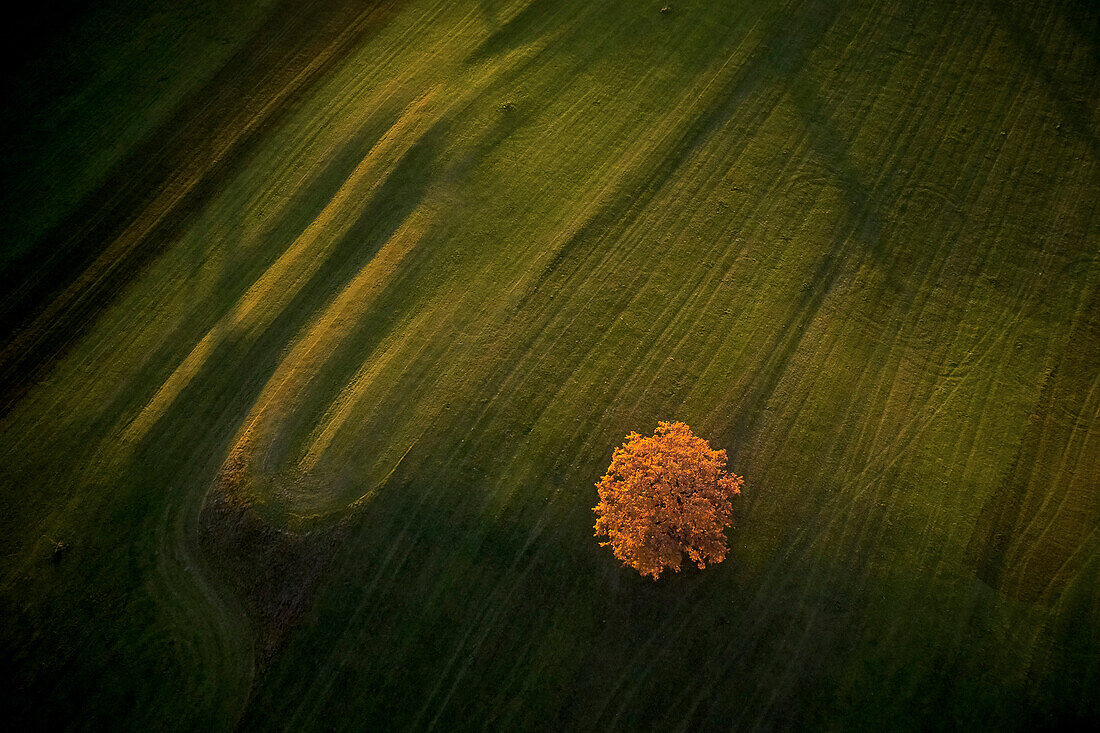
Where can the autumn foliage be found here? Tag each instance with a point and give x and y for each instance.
(664, 496)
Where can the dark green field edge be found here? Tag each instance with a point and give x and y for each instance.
(46, 307)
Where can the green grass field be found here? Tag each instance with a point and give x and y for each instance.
(321, 318)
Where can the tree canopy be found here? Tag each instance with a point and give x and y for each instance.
(664, 496)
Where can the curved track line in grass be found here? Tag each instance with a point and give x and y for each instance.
(1066, 468)
(1063, 423)
(988, 332)
(308, 354)
(213, 618)
(856, 229)
(996, 337)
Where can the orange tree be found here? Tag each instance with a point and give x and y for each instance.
(663, 496)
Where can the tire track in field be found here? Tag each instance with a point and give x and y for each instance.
(860, 234)
(1011, 547)
(911, 296)
(790, 34)
(915, 427)
(821, 137)
(981, 350)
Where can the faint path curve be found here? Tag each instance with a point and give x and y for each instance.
(206, 607)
